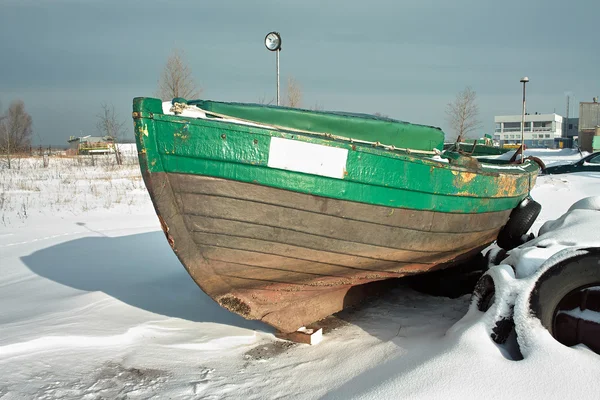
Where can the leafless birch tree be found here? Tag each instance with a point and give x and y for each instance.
(462, 114)
(294, 93)
(109, 125)
(15, 129)
(176, 79)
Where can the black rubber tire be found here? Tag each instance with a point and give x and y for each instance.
(519, 222)
(560, 280)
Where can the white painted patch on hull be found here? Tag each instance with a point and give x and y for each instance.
(309, 158)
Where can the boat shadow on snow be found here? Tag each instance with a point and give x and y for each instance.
(140, 270)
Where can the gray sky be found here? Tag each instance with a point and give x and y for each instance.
(406, 59)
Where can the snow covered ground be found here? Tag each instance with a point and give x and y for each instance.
(94, 304)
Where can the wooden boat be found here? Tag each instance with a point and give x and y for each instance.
(283, 215)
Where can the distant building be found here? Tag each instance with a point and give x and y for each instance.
(589, 124)
(91, 145)
(540, 131)
(571, 127)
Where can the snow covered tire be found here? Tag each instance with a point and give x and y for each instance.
(495, 256)
(484, 297)
(484, 292)
(560, 281)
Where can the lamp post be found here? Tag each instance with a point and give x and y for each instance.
(273, 43)
(524, 80)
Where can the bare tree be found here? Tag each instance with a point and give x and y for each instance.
(263, 100)
(318, 107)
(15, 129)
(4, 136)
(109, 125)
(462, 113)
(294, 93)
(380, 115)
(176, 79)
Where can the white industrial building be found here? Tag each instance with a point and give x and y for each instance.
(540, 129)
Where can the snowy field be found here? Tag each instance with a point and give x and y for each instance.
(95, 305)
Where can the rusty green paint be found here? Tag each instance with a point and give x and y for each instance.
(374, 175)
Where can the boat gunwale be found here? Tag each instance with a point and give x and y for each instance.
(417, 157)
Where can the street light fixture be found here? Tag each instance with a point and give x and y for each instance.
(273, 43)
(523, 80)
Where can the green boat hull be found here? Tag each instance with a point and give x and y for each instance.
(287, 225)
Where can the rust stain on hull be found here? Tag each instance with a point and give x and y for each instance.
(508, 186)
(165, 229)
(464, 178)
